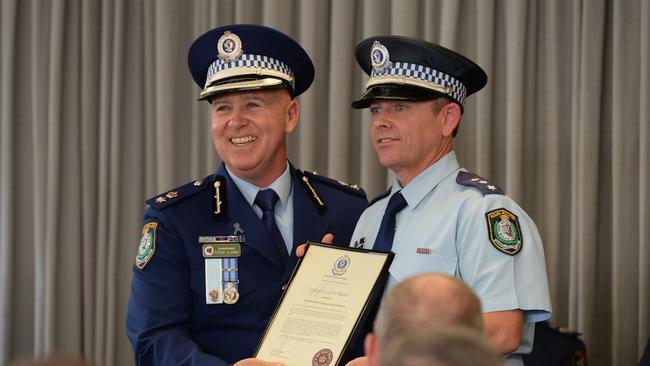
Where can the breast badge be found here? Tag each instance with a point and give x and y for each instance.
(504, 231)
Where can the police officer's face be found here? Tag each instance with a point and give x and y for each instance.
(410, 136)
(249, 129)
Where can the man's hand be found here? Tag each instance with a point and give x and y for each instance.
(327, 239)
(257, 362)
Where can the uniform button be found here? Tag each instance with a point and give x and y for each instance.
(284, 287)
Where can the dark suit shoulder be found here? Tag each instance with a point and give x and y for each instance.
(318, 179)
(178, 194)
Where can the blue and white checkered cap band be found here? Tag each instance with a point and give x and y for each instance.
(421, 76)
(248, 64)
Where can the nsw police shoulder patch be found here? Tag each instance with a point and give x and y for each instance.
(147, 245)
(504, 231)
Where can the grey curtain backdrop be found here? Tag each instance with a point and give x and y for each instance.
(98, 113)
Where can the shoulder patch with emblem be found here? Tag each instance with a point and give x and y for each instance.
(504, 231)
(473, 180)
(147, 246)
(378, 198)
(179, 193)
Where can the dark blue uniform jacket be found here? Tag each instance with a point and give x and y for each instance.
(168, 320)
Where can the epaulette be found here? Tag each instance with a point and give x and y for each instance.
(178, 194)
(383, 195)
(482, 184)
(352, 188)
(306, 178)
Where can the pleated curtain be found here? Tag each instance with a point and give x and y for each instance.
(98, 113)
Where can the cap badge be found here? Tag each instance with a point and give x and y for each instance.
(229, 46)
(379, 56)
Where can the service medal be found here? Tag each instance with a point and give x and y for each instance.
(230, 293)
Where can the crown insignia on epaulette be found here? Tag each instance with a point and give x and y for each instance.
(178, 194)
(353, 186)
(167, 196)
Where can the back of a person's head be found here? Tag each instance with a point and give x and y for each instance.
(426, 301)
(451, 346)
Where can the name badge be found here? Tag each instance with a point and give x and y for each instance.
(221, 250)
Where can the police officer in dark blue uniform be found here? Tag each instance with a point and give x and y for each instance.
(215, 253)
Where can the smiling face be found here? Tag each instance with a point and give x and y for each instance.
(410, 136)
(249, 130)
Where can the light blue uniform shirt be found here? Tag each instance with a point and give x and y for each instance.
(283, 208)
(444, 229)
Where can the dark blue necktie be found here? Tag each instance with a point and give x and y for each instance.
(386, 232)
(266, 200)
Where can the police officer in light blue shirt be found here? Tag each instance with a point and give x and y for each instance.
(437, 216)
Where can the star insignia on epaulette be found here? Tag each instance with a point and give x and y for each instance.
(482, 184)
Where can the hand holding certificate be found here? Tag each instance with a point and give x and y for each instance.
(328, 296)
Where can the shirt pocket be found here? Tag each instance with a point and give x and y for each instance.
(405, 266)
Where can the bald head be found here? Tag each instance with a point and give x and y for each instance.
(426, 301)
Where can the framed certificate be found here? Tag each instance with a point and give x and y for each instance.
(329, 295)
